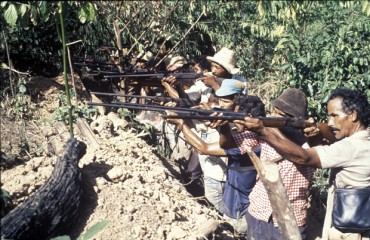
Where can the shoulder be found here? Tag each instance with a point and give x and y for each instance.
(238, 77)
(340, 153)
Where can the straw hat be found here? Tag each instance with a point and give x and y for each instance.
(225, 58)
(176, 63)
(146, 58)
(293, 102)
(230, 87)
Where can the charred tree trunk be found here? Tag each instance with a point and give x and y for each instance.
(51, 210)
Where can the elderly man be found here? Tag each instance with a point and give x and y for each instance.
(348, 112)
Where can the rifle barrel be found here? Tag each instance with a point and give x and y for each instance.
(159, 98)
(202, 112)
(138, 106)
(155, 75)
(267, 121)
(193, 113)
(93, 64)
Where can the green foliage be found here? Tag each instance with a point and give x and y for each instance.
(5, 203)
(327, 53)
(89, 232)
(32, 29)
(321, 182)
(19, 100)
(79, 111)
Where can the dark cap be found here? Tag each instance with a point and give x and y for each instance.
(293, 102)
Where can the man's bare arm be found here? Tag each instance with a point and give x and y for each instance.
(195, 141)
(286, 148)
(226, 138)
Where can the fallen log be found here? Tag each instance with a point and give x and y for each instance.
(51, 210)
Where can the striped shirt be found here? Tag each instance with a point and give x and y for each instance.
(295, 178)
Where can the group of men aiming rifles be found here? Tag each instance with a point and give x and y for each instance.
(206, 102)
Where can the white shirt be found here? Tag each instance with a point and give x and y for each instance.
(351, 158)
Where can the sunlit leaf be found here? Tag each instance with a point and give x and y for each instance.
(22, 88)
(23, 9)
(82, 15)
(90, 11)
(93, 230)
(11, 15)
(44, 11)
(34, 15)
(61, 238)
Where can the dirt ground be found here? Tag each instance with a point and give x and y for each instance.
(140, 193)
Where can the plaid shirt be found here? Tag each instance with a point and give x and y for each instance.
(295, 178)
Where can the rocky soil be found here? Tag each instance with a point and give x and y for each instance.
(140, 193)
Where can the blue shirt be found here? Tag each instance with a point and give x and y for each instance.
(238, 185)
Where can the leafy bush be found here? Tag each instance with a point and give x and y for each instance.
(78, 111)
(328, 52)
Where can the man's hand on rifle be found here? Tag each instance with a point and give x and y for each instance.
(170, 80)
(252, 124)
(168, 84)
(203, 105)
(217, 123)
(177, 121)
(313, 130)
(210, 81)
(318, 133)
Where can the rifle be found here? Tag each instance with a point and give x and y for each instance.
(93, 64)
(159, 75)
(193, 113)
(182, 101)
(277, 122)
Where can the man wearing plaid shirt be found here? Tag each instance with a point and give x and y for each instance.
(296, 178)
(348, 158)
(261, 224)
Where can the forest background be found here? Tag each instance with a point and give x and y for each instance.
(316, 46)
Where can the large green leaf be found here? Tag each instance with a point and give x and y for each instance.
(93, 230)
(82, 15)
(11, 15)
(34, 14)
(23, 9)
(61, 238)
(44, 11)
(90, 11)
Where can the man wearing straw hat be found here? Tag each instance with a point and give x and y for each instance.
(143, 60)
(223, 67)
(214, 176)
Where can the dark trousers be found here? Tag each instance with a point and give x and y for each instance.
(261, 230)
(193, 168)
